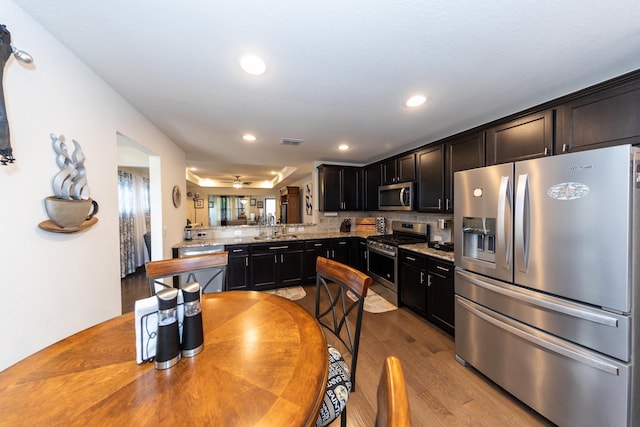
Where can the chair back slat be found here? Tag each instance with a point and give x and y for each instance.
(393, 401)
(177, 266)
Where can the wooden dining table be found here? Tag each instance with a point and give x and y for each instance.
(264, 363)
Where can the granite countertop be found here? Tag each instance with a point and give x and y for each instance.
(289, 237)
(423, 248)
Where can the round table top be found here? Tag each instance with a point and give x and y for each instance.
(264, 363)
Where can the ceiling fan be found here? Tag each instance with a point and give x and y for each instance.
(237, 183)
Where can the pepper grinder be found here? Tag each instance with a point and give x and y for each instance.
(192, 333)
(168, 341)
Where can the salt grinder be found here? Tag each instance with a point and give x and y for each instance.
(192, 333)
(168, 344)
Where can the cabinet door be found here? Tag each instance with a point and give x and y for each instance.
(372, 180)
(341, 251)
(413, 290)
(361, 255)
(522, 139)
(313, 249)
(351, 189)
(238, 273)
(440, 295)
(389, 173)
(461, 154)
(606, 118)
(407, 168)
(290, 267)
(430, 185)
(238, 267)
(264, 269)
(330, 179)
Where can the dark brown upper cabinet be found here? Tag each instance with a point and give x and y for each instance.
(605, 118)
(430, 185)
(399, 169)
(521, 139)
(372, 179)
(340, 188)
(465, 152)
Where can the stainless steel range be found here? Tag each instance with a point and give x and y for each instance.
(382, 255)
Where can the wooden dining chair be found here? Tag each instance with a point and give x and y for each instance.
(340, 292)
(174, 267)
(393, 403)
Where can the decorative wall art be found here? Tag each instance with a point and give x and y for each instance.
(252, 202)
(260, 204)
(198, 203)
(70, 209)
(176, 196)
(308, 199)
(6, 49)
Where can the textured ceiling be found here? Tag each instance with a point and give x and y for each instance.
(337, 71)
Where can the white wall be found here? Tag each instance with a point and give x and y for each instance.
(53, 285)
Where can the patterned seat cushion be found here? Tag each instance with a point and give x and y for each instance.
(338, 389)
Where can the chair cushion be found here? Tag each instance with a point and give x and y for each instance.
(338, 389)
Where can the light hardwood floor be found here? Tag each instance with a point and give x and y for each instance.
(441, 391)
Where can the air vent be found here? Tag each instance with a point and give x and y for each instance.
(291, 141)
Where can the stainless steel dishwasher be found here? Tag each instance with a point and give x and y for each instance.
(212, 280)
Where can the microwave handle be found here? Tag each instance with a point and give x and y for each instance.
(402, 196)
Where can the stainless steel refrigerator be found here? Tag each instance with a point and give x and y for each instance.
(547, 282)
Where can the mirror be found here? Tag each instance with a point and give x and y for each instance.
(215, 210)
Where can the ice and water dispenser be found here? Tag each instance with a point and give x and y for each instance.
(479, 238)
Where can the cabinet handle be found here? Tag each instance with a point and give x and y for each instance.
(421, 277)
(246, 262)
(442, 268)
(281, 258)
(439, 204)
(546, 151)
(237, 250)
(273, 248)
(446, 204)
(275, 259)
(411, 258)
(428, 280)
(317, 244)
(565, 148)
(342, 243)
(333, 253)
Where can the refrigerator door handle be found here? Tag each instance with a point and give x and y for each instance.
(550, 344)
(522, 224)
(504, 212)
(541, 303)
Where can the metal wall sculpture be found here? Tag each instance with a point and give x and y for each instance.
(6, 49)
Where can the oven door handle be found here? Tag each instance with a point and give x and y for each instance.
(381, 252)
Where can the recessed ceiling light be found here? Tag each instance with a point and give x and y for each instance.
(253, 64)
(249, 137)
(416, 101)
(343, 147)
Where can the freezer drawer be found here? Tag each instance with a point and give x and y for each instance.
(569, 385)
(596, 329)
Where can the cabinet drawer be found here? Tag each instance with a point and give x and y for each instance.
(239, 250)
(413, 258)
(316, 244)
(277, 247)
(441, 268)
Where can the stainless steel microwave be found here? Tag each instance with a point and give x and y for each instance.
(396, 197)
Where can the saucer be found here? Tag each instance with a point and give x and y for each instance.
(49, 225)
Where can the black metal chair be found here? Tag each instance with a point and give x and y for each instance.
(340, 292)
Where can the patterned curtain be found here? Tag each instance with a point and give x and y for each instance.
(133, 197)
